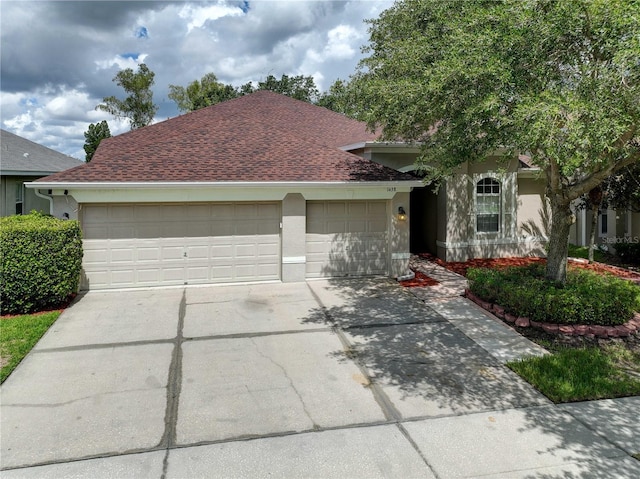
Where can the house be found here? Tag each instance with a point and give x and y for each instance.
(24, 161)
(259, 188)
(612, 227)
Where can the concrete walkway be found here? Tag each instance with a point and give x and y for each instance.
(336, 378)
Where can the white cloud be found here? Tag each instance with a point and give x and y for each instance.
(197, 16)
(61, 67)
(122, 62)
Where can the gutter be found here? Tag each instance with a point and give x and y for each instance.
(45, 197)
(221, 184)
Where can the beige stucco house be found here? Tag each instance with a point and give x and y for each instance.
(260, 188)
(267, 188)
(23, 161)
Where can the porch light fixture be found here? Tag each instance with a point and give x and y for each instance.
(402, 214)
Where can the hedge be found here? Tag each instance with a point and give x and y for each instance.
(41, 261)
(586, 298)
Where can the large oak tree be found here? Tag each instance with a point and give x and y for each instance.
(556, 79)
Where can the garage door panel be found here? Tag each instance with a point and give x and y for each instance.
(346, 238)
(147, 245)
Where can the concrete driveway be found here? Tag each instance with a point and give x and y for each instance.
(349, 378)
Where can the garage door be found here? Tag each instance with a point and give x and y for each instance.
(346, 238)
(194, 243)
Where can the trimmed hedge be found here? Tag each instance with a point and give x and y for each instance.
(41, 260)
(586, 298)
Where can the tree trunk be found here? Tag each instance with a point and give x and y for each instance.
(594, 226)
(595, 200)
(561, 221)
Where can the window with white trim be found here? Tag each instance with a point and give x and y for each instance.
(488, 202)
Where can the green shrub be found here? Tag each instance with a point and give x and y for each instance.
(628, 252)
(586, 298)
(41, 260)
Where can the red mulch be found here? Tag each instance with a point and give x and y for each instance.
(461, 267)
(420, 280)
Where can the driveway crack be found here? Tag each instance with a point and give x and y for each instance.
(174, 387)
(288, 378)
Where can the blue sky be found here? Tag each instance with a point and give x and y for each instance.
(58, 58)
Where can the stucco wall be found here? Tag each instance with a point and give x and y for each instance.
(8, 197)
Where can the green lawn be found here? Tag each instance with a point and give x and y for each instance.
(583, 252)
(18, 335)
(582, 374)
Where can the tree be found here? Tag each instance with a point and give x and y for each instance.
(340, 98)
(93, 136)
(199, 94)
(623, 189)
(559, 80)
(138, 107)
(299, 87)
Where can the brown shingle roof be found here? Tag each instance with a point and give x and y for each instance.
(260, 137)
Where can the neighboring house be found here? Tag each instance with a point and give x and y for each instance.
(612, 227)
(258, 188)
(23, 161)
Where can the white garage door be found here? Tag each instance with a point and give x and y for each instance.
(194, 243)
(346, 238)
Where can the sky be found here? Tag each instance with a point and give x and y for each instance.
(58, 58)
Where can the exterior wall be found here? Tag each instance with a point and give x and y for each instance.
(461, 240)
(399, 236)
(8, 197)
(293, 220)
(294, 217)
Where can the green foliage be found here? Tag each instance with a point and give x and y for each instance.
(299, 87)
(18, 335)
(199, 94)
(41, 261)
(578, 375)
(559, 80)
(586, 298)
(583, 252)
(340, 98)
(628, 252)
(138, 107)
(93, 136)
(209, 91)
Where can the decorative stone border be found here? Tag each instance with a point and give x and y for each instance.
(589, 330)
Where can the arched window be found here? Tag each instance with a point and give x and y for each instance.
(488, 206)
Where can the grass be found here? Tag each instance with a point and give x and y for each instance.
(582, 374)
(583, 252)
(18, 334)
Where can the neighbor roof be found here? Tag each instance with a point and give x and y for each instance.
(260, 137)
(19, 156)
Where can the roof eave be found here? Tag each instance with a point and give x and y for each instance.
(219, 184)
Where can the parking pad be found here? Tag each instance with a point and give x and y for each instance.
(270, 384)
(367, 453)
(432, 369)
(80, 403)
(258, 308)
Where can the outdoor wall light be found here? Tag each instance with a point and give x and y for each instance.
(402, 214)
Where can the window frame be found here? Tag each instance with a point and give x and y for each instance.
(492, 183)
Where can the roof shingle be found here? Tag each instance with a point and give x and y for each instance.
(19, 155)
(261, 137)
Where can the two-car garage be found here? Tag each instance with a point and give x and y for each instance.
(190, 243)
(142, 245)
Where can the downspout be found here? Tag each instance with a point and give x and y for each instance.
(45, 197)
